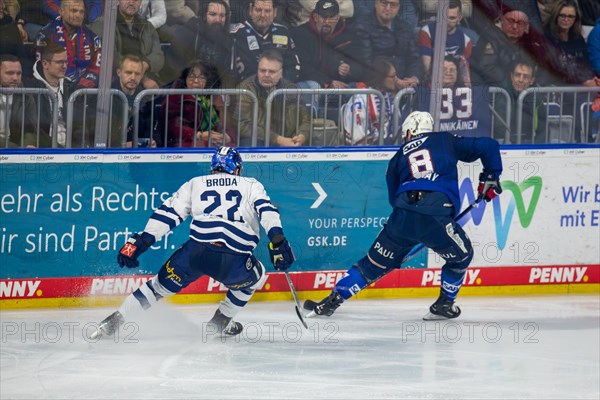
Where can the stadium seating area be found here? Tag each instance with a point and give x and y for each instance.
(521, 71)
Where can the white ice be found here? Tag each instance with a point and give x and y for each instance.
(544, 347)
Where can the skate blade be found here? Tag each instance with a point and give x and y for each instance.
(96, 335)
(311, 314)
(434, 317)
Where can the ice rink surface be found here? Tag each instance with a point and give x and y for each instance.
(543, 347)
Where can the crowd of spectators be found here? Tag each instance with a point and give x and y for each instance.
(261, 45)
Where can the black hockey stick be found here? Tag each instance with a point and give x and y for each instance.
(464, 212)
(298, 308)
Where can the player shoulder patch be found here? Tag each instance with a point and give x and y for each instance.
(280, 40)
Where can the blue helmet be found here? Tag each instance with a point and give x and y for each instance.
(226, 159)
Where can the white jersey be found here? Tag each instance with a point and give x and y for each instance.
(225, 208)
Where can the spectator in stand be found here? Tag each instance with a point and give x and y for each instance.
(567, 52)
(360, 129)
(259, 33)
(128, 80)
(194, 120)
(408, 11)
(495, 9)
(382, 35)
(461, 111)
(136, 36)
(33, 17)
(458, 43)
(178, 12)
(283, 122)
(82, 45)
(93, 9)
(205, 38)
(593, 43)
(590, 10)
(49, 73)
(154, 11)
(522, 77)
(12, 8)
(498, 48)
(17, 111)
(301, 10)
(328, 49)
(11, 34)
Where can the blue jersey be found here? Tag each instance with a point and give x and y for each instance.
(428, 162)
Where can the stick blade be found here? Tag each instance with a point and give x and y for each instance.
(301, 317)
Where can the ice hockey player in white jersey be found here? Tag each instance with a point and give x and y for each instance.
(226, 209)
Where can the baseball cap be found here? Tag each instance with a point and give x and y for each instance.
(327, 8)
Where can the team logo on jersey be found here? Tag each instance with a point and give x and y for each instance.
(280, 40)
(252, 43)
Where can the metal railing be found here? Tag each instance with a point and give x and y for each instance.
(571, 119)
(299, 94)
(139, 102)
(24, 92)
(86, 92)
(572, 104)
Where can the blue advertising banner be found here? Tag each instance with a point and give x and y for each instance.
(67, 215)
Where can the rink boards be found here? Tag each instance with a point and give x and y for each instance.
(64, 217)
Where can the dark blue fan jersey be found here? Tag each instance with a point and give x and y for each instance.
(429, 162)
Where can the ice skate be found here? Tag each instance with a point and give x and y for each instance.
(442, 309)
(325, 307)
(108, 326)
(222, 324)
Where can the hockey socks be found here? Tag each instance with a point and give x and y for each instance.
(351, 283)
(143, 298)
(452, 280)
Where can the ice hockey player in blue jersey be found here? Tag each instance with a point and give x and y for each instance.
(226, 209)
(422, 182)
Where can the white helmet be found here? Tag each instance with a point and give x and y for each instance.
(418, 122)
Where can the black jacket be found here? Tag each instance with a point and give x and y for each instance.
(194, 42)
(83, 129)
(23, 122)
(399, 44)
(321, 56)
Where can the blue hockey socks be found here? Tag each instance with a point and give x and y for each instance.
(452, 280)
(351, 283)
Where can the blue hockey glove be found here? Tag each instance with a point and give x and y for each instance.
(281, 253)
(133, 248)
(489, 186)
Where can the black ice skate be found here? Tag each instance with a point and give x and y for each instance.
(325, 307)
(442, 309)
(223, 325)
(108, 326)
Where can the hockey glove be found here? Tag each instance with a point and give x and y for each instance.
(281, 253)
(133, 248)
(489, 186)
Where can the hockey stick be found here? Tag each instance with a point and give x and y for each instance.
(293, 290)
(464, 212)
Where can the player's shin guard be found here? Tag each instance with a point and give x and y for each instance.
(145, 297)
